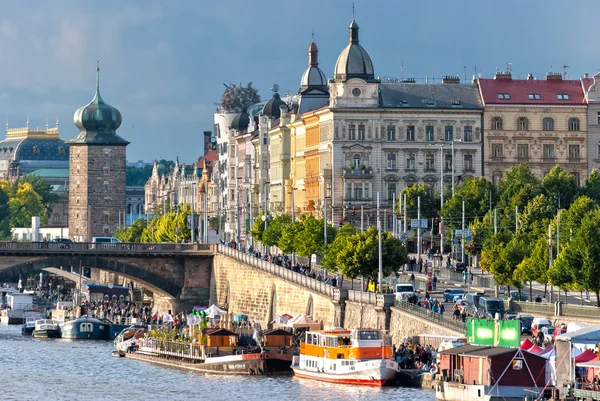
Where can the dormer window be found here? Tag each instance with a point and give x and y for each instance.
(503, 96)
(534, 96)
(562, 96)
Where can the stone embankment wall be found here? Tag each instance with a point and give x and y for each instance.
(261, 296)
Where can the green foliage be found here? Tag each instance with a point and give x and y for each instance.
(48, 198)
(536, 216)
(360, 255)
(217, 222)
(168, 227)
(558, 184)
(237, 98)
(339, 243)
(475, 192)
(132, 233)
(287, 242)
(24, 204)
(430, 204)
(272, 235)
(258, 228)
(535, 266)
(592, 186)
(310, 239)
(137, 176)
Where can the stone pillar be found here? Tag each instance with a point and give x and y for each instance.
(383, 305)
(339, 301)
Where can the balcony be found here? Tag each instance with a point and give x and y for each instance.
(468, 169)
(549, 160)
(363, 173)
(574, 159)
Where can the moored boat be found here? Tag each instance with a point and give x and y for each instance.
(85, 327)
(362, 356)
(45, 328)
(29, 325)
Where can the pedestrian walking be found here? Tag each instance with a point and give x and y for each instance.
(434, 282)
(412, 279)
(465, 275)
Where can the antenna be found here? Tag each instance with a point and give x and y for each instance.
(565, 71)
(508, 67)
(352, 11)
(402, 69)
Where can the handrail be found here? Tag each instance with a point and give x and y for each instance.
(280, 271)
(67, 247)
(441, 320)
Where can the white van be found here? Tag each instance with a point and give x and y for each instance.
(110, 240)
(404, 291)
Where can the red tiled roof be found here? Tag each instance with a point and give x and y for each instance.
(210, 158)
(587, 82)
(519, 90)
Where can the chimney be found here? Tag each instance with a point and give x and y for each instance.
(474, 80)
(207, 143)
(530, 77)
(503, 75)
(554, 76)
(586, 75)
(451, 79)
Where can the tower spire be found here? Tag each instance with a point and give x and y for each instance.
(352, 11)
(98, 61)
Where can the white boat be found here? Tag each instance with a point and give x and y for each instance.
(29, 324)
(361, 356)
(127, 339)
(45, 328)
(20, 307)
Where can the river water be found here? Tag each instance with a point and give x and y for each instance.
(47, 369)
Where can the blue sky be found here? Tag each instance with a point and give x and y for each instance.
(163, 63)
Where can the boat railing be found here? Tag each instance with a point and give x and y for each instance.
(191, 352)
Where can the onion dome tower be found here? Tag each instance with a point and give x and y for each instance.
(96, 171)
(313, 85)
(354, 61)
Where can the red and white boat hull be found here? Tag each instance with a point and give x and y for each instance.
(377, 373)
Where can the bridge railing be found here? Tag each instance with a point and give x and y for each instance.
(101, 246)
(280, 271)
(427, 314)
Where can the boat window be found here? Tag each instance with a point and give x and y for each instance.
(308, 338)
(368, 335)
(315, 339)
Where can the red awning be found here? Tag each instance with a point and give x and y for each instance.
(586, 356)
(536, 349)
(527, 344)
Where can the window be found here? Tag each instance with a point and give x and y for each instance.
(496, 123)
(574, 152)
(352, 132)
(562, 96)
(232, 151)
(410, 161)
(358, 191)
(548, 124)
(503, 96)
(522, 151)
(548, 151)
(361, 132)
(391, 190)
(356, 161)
(468, 162)
(497, 151)
(391, 133)
(523, 123)
(265, 136)
(534, 96)
(598, 117)
(447, 162)
(449, 133)
(410, 133)
(349, 191)
(429, 135)
(468, 137)
(429, 161)
(391, 160)
(573, 124)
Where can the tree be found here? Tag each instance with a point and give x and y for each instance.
(24, 204)
(429, 202)
(217, 222)
(48, 197)
(518, 187)
(168, 227)
(535, 266)
(4, 214)
(339, 243)
(272, 234)
(592, 186)
(571, 219)
(287, 242)
(137, 176)
(475, 191)
(310, 239)
(560, 185)
(360, 256)
(536, 216)
(258, 228)
(132, 233)
(237, 99)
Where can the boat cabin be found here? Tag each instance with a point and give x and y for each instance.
(218, 338)
(277, 338)
(17, 300)
(98, 292)
(348, 344)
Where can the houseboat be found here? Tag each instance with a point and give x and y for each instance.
(85, 328)
(19, 307)
(362, 356)
(217, 351)
(45, 328)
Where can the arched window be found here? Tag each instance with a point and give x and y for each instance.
(548, 124)
(573, 124)
(496, 123)
(523, 124)
(356, 160)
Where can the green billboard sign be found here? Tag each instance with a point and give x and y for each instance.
(501, 333)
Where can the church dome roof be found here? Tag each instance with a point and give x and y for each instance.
(354, 61)
(98, 121)
(313, 77)
(240, 122)
(271, 108)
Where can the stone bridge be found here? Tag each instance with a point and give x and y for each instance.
(177, 274)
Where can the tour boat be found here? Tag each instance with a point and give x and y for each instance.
(362, 356)
(45, 328)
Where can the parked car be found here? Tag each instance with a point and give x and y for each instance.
(526, 321)
(404, 291)
(538, 324)
(451, 293)
(459, 267)
(514, 294)
(61, 240)
(387, 288)
(490, 307)
(472, 302)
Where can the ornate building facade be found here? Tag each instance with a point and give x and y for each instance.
(96, 171)
(539, 122)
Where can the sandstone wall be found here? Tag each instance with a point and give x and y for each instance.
(260, 295)
(404, 325)
(363, 316)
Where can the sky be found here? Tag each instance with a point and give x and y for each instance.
(163, 64)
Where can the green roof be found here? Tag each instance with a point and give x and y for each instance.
(52, 172)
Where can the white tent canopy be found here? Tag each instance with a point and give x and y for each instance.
(586, 335)
(213, 311)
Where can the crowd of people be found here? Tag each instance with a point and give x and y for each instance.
(416, 356)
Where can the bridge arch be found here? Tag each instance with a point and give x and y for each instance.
(158, 285)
